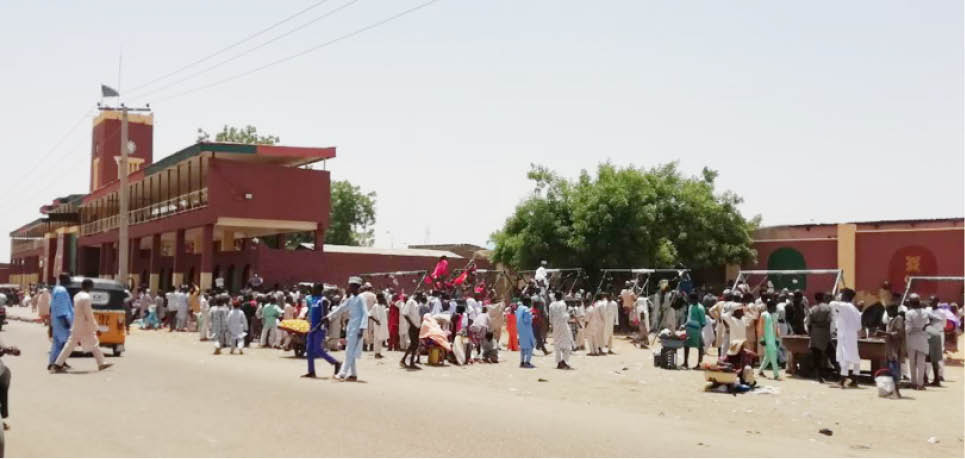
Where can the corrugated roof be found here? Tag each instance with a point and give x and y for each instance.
(868, 222)
(382, 251)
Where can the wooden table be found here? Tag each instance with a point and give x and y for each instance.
(873, 349)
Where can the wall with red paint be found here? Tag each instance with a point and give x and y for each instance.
(4, 273)
(282, 193)
(818, 254)
(891, 256)
(106, 144)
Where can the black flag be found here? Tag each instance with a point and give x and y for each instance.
(107, 91)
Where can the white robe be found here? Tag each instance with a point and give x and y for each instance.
(237, 324)
(611, 319)
(596, 317)
(380, 331)
(848, 323)
(579, 313)
(560, 321)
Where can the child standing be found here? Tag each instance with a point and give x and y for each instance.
(237, 325)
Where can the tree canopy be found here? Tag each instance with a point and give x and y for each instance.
(247, 134)
(625, 217)
(353, 214)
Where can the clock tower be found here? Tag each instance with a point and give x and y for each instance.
(106, 146)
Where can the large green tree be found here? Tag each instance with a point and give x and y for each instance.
(625, 217)
(352, 216)
(248, 134)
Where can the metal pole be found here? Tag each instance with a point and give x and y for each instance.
(122, 241)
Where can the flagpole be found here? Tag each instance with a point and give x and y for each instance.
(123, 191)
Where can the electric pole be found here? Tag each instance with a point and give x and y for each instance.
(123, 193)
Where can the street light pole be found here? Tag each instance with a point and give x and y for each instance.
(122, 223)
(123, 194)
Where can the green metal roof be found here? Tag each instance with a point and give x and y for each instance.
(195, 150)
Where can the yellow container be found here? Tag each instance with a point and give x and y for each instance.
(111, 329)
(435, 355)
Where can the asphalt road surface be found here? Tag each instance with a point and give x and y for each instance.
(168, 396)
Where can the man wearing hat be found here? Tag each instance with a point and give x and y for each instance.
(358, 319)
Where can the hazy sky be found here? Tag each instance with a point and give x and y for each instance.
(812, 111)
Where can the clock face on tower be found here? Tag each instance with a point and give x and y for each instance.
(131, 146)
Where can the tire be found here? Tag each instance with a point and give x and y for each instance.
(299, 353)
(117, 352)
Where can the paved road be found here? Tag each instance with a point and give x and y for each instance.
(168, 396)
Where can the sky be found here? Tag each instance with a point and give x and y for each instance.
(819, 111)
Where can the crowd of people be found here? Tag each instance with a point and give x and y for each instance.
(464, 326)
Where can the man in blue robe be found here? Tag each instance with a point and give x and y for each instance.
(318, 305)
(524, 327)
(61, 318)
(358, 319)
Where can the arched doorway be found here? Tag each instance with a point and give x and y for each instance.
(786, 258)
(245, 275)
(190, 278)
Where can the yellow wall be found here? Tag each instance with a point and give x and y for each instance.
(846, 251)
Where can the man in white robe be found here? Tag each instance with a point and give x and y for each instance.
(204, 328)
(83, 332)
(562, 335)
(641, 312)
(596, 318)
(370, 300)
(403, 325)
(378, 325)
(579, 314)
(848, 323)
(611, 320)
(237, 325)
(540, 277)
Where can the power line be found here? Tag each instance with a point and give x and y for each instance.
(245, 53)
(40, 162)
(302, 53)
(111, 137)
(231, 46)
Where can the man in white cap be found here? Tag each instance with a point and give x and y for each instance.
(358, 319)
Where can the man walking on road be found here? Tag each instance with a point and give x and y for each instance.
(358, 319)
(61, 318)
(84, 330)
(315, 342)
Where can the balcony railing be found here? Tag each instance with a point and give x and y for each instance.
(167, 208)
(18, 246)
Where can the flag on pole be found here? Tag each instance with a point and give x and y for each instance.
(107, 91)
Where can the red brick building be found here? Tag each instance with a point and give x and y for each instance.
(209, 211)
(869, 253)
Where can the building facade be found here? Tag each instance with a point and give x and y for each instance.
(869, 253)
(211, 211)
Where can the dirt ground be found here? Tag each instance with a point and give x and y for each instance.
(169, 396)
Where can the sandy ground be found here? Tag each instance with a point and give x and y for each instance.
(168, 396)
